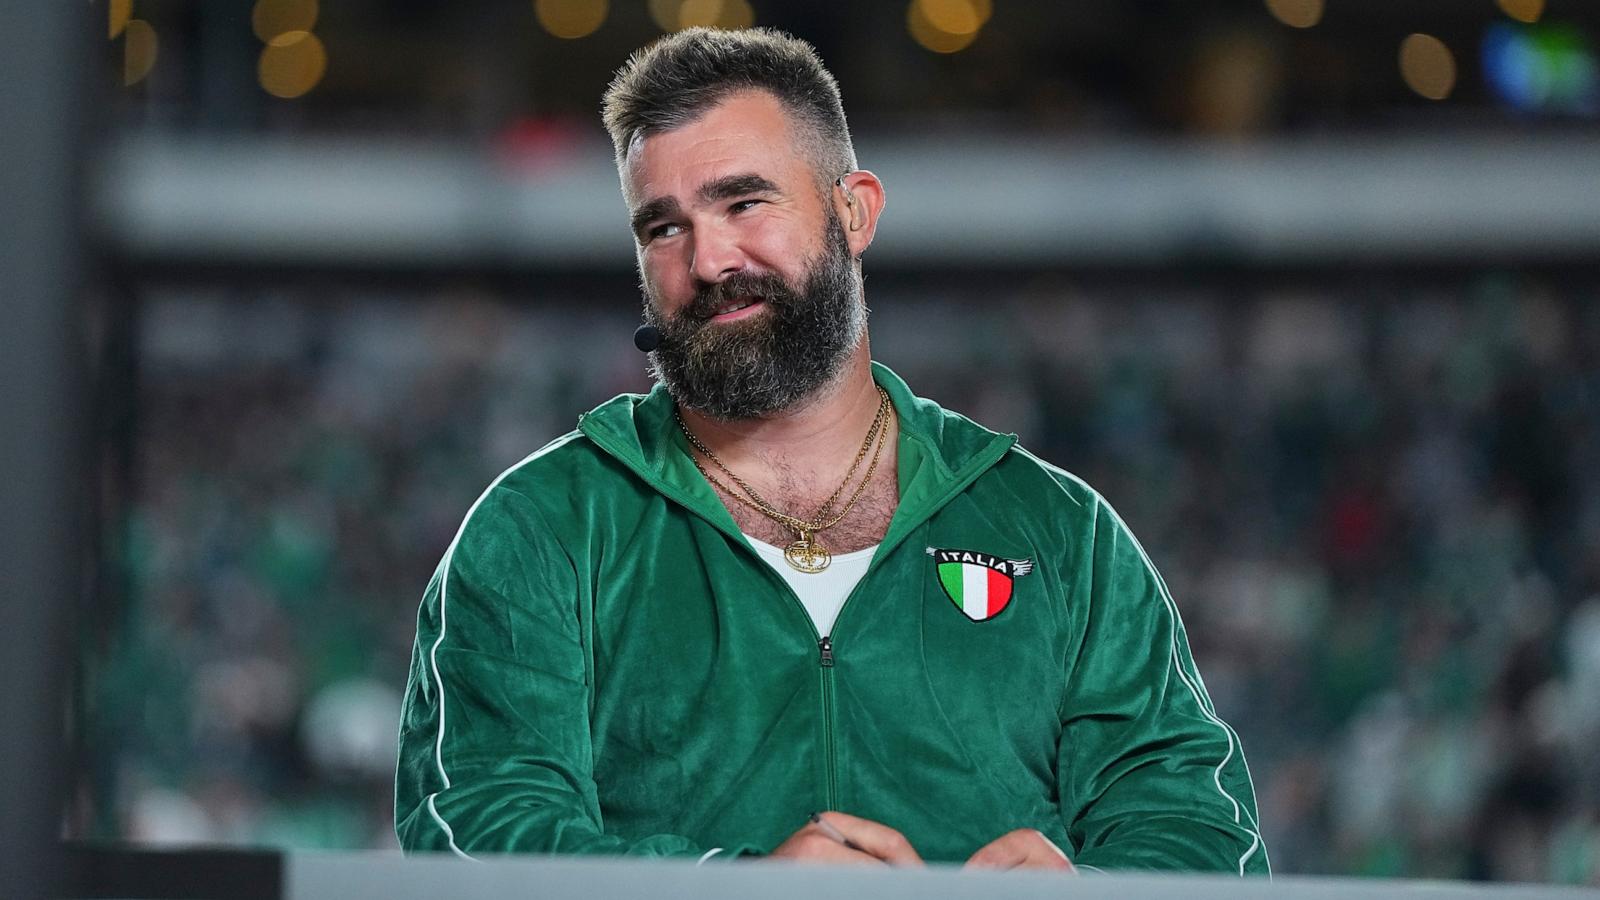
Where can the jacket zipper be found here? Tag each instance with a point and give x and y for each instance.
(830, 764)
(968, 473)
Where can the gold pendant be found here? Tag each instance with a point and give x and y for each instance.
(807, 555)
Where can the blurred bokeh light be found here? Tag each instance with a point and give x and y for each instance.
(675, 15)
(271, 18)
(1522, 10)
(946, 26)
(571, 19)
(291, 64)
(1296, 13)
(1428, 66)
(118, 12)
(140, 47)
(956, 16)
(1542, 68)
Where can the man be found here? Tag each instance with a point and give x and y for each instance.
(782, 584)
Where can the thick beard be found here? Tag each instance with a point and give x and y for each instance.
(777, 358)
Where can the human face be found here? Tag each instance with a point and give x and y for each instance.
(744, 265)
(727, 193)
(761, 364)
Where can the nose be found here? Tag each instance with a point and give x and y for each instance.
(717, 253)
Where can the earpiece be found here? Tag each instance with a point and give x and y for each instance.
(849, 201)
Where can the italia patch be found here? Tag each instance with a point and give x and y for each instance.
(979, 584)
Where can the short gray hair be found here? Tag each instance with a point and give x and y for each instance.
(678, 78)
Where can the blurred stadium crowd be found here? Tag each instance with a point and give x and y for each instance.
(1374, 499)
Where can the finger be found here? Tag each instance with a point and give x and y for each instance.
(811, 844)
(1003, 852)
(875, 838)
(1042, 853)
(1023, 848)
(818, 847)
(1038, 851)
(1053, 857)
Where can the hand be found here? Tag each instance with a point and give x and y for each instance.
(878, 843)
(1024, 848)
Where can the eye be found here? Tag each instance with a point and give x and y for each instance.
(665, 229)
(740, 206)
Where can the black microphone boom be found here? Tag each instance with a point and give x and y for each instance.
(647, 338)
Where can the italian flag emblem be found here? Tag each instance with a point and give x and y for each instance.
(979, 584)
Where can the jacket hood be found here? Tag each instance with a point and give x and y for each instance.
(940, 452)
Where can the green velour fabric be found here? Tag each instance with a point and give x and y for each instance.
(604, 665)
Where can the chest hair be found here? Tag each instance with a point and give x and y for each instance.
(864, 526)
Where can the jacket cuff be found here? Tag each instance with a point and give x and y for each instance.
(729, 854)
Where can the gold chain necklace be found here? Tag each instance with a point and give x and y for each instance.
(804, 553)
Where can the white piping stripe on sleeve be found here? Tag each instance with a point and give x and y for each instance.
(1183, 675)
(433, 652)
(707, 855)
(449, 834)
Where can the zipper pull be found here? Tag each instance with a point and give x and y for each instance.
(826, 646)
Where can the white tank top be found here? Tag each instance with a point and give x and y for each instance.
(823, 593)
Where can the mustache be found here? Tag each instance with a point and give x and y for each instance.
(769, 287)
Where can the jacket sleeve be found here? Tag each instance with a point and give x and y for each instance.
(1150, 777)
(495, 750)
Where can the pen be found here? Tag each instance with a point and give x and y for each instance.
(834, 833)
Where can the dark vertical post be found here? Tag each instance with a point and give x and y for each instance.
(43, 466)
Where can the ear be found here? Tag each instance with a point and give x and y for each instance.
(858, 199)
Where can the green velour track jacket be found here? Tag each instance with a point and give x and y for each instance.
(603, 665)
